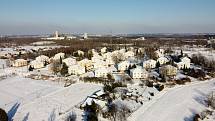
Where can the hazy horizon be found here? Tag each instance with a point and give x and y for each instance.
(105, 17)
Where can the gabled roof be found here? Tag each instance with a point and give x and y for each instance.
(138, 69)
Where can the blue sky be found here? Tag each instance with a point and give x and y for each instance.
(104, 16)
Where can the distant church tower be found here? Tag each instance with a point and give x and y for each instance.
(85, 36)
(56, 34)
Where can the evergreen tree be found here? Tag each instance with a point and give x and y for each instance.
(3, 115)
(64, 69)
(110, 77)
(181, 53)
(184, 68)
(85, 67)
(61, 61)
(45, 63)
(158, 64)
(137, 52)
(30, 68)
(92, 112)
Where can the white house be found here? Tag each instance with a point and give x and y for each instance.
(104, 50)
(124, 65)
(59, 55)
(185, 60)
(141, 50)
(159, 52)
(149, 64)
(180, 65)
(107, 55)
(95, 97)
(185, 63)
(80, 52)
(76, 70)
(42, 58)
(162, 60)
(139, 73)
(94, 52)
(69, 61)
(20, 63)
(37, 64)
(104, 71)
(109, 61)
(122, 50)
(101, 72)
(97, 58)
(99, 64)
(129, 54)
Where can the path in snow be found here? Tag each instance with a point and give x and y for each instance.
(177, 104)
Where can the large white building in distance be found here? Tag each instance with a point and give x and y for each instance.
(57, 37)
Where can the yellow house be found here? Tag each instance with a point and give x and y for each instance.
(168, 70)
(86, 63)
(20, 63)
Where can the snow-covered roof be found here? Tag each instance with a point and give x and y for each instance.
(150, 61)
(42, 58)
(163, 58)
(138, 69)
(99, 93)
(112, 69)
(103, 69)
(124, 62)
(20, 60)
(35, 62)
(59, 55)
(69, 61)
(75, 67)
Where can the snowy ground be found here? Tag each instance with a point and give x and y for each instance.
(36, 100)
(177, 104)
(23, 90)
(56, 103)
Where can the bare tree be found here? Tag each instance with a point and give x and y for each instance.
(211, 100)
(71, 117)
(52, 116)
(55, 66)
(117, 57)
(118, 112)
(113, 112)
(123, 112)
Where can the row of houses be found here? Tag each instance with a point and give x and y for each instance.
(102, 64)
(150, 64)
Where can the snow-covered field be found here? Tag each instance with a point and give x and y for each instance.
(23, 90)
(36, 100)
(177, 104)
